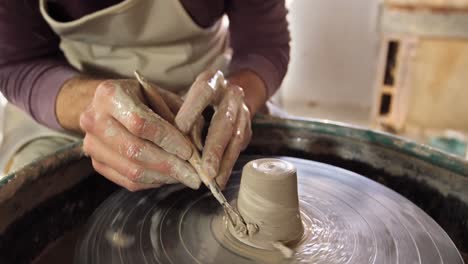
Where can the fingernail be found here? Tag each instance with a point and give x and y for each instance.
(209, 168)
(181, 124)
(189, 177)
(220, 183)
(187, 152)
(180, 151)
(151, 177)
(183, 150)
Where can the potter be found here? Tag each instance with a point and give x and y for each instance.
(70, 64)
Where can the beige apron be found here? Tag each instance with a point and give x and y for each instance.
(157, 37)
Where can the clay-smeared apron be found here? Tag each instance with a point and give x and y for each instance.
(156, 37)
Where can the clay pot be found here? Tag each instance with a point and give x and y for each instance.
(268, 198)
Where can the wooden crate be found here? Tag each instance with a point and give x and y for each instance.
(391, 102)
(432, 4)
(422, 79)
(422, 83)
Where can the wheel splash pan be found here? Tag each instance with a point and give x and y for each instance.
(57, 194)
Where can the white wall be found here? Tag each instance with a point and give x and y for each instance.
(334, 50)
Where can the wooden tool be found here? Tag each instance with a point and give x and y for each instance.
(158, 104)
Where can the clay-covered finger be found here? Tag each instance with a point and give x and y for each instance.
(248, 127)
(156, 101)
(234, 148)
(141, 152)
(134, 172)
(196, 133)
(220, 132)
(206, 75)
(201, 94)
(119, 179)
(173, 101)
(142, 122)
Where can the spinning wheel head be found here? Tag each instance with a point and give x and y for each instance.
(346, 218)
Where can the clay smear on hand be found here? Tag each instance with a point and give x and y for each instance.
(129, 109)
(166, 144)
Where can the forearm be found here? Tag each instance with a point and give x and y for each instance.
(74, 97)
(77, 93)
(259, 37)
(254, 89)
(33, 86)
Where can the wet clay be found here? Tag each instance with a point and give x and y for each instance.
(268, 200)
(226, 237)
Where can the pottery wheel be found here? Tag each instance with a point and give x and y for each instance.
(347, 218)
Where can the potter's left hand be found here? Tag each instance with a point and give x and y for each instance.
(230, 129)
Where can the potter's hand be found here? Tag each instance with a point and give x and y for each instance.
(229, 131)
(130, 144)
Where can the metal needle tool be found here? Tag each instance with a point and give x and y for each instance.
(158, 103)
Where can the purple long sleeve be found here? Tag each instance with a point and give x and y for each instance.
(32, 68)
(259, 34)
(260, 39)
(34, 85)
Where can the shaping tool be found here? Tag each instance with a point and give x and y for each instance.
(159, 105)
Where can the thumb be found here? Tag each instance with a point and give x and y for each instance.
(155, 101)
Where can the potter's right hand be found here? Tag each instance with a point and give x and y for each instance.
(130, 144)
